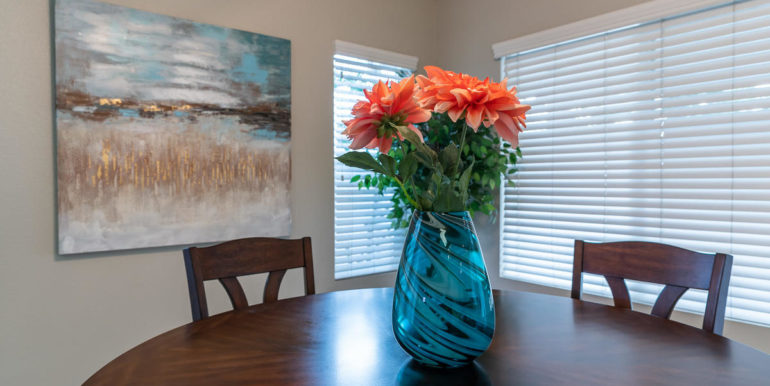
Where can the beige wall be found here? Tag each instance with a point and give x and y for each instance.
(62, 318)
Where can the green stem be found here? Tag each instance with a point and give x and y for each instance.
(406, 194)
(462, 143)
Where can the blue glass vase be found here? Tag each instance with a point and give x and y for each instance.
(443, 312)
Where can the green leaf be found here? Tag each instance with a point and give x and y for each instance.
(407, 167)
(355, 178)
(425, 159)
(362, 160)
(518, 152)
(465, 178)
(449, 157)
(408, 135)
(435, 178)
(426, 203)
(443, 200)
(388, 163)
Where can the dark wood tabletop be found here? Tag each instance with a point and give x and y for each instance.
(345, 338)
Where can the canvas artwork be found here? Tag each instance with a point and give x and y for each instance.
(169, 132)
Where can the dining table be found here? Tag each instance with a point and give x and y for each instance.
(346, 338)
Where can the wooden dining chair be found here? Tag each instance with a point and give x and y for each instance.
(228, 260)
(679, 269)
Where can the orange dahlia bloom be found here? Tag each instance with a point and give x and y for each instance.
(387, 105)
(482, 102)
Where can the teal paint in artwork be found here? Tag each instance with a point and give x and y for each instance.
(271, 135)
(152, 72)
(129, 113)
(118, 59)
(212, 32)
(249, 70)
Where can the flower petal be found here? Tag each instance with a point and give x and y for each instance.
(416, 130)
(473, 116)
(385, 143)
(455, 113)
(356, 126)
(462, 95)
(507, 129)
(418, 116)
(434, 72)
(490, 116)
(363, 139)
(443, 106)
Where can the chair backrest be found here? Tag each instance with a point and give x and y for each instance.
(679, 269)
(228, 260)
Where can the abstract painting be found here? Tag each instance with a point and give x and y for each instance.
(169, 132)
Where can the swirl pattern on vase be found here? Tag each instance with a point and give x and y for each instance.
(443, 312)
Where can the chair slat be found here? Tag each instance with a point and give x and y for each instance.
(234, 292)
(619, 291)
(667, 299)
(272, 285)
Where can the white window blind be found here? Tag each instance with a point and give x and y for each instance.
(659, 132)
(364, 242)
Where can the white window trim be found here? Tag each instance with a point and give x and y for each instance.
(375, 54)
(642, 13)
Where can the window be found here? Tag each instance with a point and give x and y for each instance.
(657, 131)
(364, 242)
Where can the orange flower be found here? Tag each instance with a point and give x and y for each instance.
(387, 105)
(482, 102)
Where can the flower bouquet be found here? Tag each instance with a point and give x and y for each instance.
(427, 153)
(443, 312)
